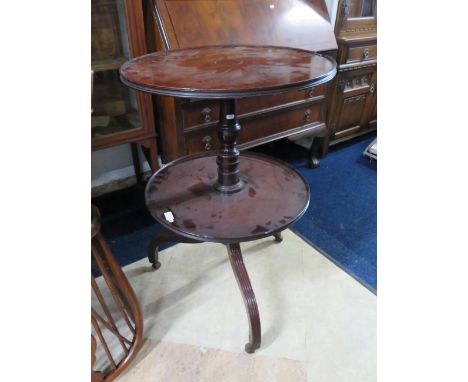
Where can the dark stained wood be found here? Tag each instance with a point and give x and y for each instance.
(248, 295)
(164, 237)
(204, 113)
(228, 154)
(136, 162)
(227, 71)
(234, 198)
(184, 24)
(296, 118)
(273, 197)
(278, 237)
(319, 148)
(353, 109)
(172, 237)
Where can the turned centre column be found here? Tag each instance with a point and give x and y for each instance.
(228, 154)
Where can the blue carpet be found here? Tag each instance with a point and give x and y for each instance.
(340, 221)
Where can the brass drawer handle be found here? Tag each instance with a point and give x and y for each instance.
(307, 115)
(311, 93)
(206, 143)
(206, 114)
(365, 53)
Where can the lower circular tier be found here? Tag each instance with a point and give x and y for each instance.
(182, 197)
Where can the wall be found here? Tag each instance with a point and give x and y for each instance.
(112, 169)
(332, 6)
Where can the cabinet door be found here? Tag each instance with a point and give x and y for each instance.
(353, 100)
(373, 111)
(120, 114)
(369, 118)
(373, 119)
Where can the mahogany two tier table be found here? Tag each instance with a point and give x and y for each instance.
(227, 197)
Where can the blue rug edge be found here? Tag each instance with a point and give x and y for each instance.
(330, 258)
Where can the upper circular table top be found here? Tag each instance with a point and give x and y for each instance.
(227, 71)
(182, 197)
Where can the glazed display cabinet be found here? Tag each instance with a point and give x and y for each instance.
(119, 115)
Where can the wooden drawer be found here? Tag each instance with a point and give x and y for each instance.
(361, 53)
(201, 112)
(356, 81)
(254, 128)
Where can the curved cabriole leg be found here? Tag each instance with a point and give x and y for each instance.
(164, 237)
(278, 237)
(319, 147)
(238, 267)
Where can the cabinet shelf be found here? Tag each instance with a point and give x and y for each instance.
(106, 65)
(102, 125)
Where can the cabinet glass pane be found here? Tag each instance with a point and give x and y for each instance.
(115, 108)
(361, 8)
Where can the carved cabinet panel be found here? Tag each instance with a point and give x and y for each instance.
(351, 115)
(354, 102)
(371, 111)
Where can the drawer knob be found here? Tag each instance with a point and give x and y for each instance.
(206, 143)
(372, 88)
(206, 114)
(365, 53)
(307, 115)
(311, 93)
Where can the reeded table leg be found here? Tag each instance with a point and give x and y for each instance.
(237, 264)
(164, 237)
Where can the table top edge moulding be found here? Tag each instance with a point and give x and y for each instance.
(283, 69)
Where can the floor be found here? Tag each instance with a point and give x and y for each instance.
(318, 322)
(341, 220)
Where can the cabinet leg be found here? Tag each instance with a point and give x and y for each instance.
(242, 277)
(164, 237)
(136, 162)
(151, 153)
(319, 146)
